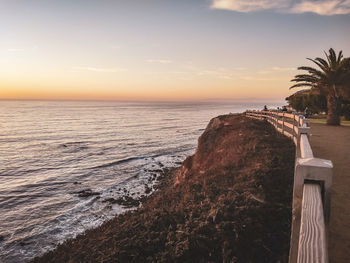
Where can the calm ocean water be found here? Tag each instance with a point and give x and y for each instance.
(49, 151)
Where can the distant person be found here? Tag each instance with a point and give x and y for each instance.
(306, 112)
(265, 108)
(284, 108)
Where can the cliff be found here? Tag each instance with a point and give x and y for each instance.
(226, 142)
(229, 202)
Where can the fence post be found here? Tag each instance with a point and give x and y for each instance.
(307, 122)
(274, 120)
(294, 123)
(283, 123)
(312, 169)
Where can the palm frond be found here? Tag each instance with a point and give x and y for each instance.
(307, 68)
(301, 85)
(306, 78)
(313, 71)
(333, 58)
(324, 68)
(340, 56)
(323, 62)
(328, 59)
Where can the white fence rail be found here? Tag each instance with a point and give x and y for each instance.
(311, 190)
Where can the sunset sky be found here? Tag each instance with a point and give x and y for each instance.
(162, 49)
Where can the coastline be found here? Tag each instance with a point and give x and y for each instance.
(229, 201)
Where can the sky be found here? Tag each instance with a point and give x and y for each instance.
(162, 49)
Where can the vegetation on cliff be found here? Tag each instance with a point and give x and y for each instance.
(230, 202)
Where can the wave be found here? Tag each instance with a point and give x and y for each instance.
(118, 162)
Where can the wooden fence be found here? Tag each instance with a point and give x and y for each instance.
(311, 190)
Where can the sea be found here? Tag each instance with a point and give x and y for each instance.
(60, 161)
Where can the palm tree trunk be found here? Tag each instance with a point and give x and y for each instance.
(333, 106)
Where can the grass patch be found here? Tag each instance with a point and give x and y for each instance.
(321, 118)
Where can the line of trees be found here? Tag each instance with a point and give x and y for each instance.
(315, 102)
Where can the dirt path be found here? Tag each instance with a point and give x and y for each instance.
(333, 143)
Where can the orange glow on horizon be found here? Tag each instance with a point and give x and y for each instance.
(142, 88)
(130, 93)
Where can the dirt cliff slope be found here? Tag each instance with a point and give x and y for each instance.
(230, 202)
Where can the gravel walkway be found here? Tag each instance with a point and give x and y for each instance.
(333, 143)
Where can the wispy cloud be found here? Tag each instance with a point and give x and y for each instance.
(327, 7)
(283, 69)
(160, 61)
(246, 77)
(220, 73)
(116, 47)
(264, 72)
(274, 70)
(321, 7)
(249, 5)
(95, 69)
(15, 49)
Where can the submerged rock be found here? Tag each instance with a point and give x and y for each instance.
(147, 189)
(126, 201)
(87, 193)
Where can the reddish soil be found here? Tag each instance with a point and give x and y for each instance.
(230, 202)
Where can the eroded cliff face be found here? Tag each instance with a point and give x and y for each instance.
(229, 202)
(226, 142)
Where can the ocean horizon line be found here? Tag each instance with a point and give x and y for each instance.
(214, 100)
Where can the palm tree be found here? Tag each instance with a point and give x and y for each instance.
(332, 79)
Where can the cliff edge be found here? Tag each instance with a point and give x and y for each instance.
(226, 142)
(229, 202)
